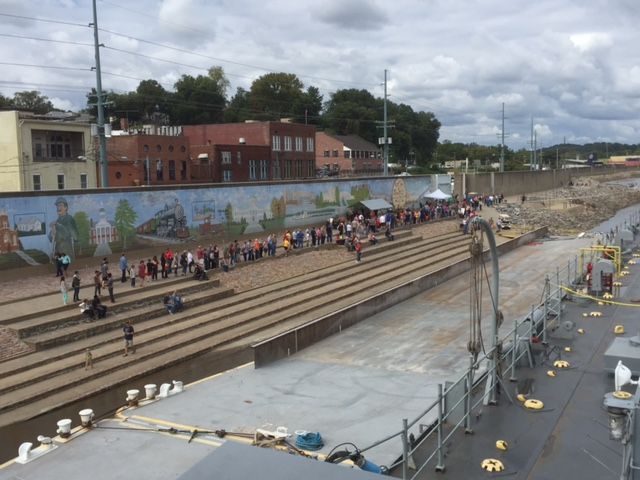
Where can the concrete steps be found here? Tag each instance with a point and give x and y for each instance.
(241, 319)
(225, 323)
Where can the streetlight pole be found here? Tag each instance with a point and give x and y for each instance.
(384, 132)
(104, 168)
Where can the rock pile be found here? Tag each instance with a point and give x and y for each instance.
(572, 209)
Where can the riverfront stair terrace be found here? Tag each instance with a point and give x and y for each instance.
(214, 318)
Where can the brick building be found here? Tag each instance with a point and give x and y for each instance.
(148, 159)
(234, 152)
(352, 154)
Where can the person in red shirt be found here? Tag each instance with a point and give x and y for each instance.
(142, 272)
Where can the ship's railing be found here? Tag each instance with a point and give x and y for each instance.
(456, 402)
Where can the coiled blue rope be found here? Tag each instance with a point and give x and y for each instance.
(309, 441)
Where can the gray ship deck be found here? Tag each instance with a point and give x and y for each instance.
(358, 385)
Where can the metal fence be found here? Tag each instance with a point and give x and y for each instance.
(456, 402)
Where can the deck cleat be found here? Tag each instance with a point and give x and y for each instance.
(585, 314)
(521, 397)
(618, 329)
(567, 349)
(551, 373)
(607, 296)
(533, 404)
(581, 331)
(502, 445)
(595, 314)
(632, 262)
(617, 284)
(622, 395)
(561, 364)
(492, 465)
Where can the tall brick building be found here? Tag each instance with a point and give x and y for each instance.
(236, 152)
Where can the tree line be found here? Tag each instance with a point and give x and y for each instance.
(204, 99)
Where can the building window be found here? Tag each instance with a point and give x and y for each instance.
(172, 169)
(276, 170)
(287, 169)
(159, 148)
(38, 151)
(183, 149)
(310, 145)
(61, 181)
(239, 157)
(264, 169)
(183, 170)
(171, 148)
(37, 182)
(145, 148)
(226, 158)
(326, 153)
(159, 172)
(252, 169)
(287, 143)
(275, 140)
(226, 175)
(311, 168)
(335, 153)
(298, 144)
(346, 154)
(83, 181)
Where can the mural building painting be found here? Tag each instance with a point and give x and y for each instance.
(103, 222)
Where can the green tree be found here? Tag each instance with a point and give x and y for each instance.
(352, 111)
(308, 107)
(200, 99)
(83, 225)
(276, 95)
(5, 102)
(125, 218)
(32, 101)
(149, 97)
(238, 108)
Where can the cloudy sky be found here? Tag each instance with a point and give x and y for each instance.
(574, 67)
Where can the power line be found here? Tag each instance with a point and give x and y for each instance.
(45, 20)
(69, 42)
(53, 67)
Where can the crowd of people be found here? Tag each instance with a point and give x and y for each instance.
(351, 231)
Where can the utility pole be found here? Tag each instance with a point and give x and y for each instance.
(384, 132)
(502, 143)
(531, 155)
(535, 149)
(104, 168)
(385, 129)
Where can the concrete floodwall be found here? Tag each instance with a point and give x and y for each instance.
(527, 181)
(294, 340)
(100, 222)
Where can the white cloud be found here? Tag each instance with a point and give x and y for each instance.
(590, 41)
(571, 66)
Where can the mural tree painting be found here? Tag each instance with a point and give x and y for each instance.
(125, 219)
(228, 213)
(278, 207)
(83, 226)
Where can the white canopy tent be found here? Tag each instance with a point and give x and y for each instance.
(437, 195)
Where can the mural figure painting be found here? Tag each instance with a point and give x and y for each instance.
(63, 233)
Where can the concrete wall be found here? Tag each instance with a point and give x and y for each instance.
(526, 181)
(101, 222)
(306, 335)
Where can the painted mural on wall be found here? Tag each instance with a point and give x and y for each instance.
(103, 223)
